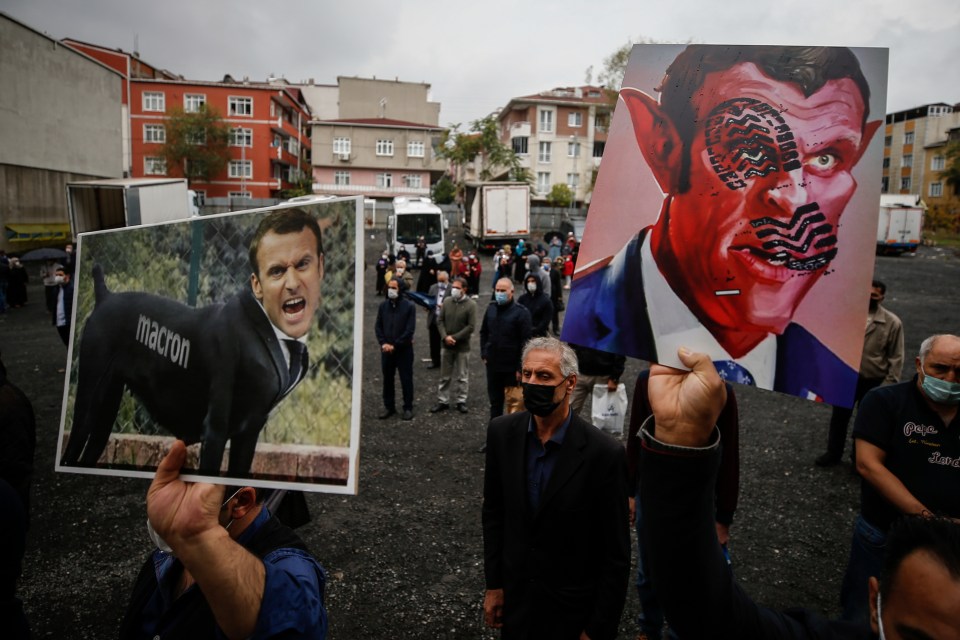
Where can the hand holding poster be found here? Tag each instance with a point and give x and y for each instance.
(740, 183)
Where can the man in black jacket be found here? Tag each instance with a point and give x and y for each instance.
(556, 546)
(537, 303)
(917, 594)
(396, 323)
(505, 329)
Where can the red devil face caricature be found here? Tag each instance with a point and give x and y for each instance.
(769, 177)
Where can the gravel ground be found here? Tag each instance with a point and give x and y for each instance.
(404, 555)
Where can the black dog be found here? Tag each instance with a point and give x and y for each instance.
(207, 375)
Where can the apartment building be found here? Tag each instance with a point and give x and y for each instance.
(559, 136)
(269, 133)
(907, 135)
(943, 200)
(269, 141)
(381, 144)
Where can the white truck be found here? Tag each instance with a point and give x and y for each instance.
(900, 224)
(94, 205)
(413, 218)
(496, 213)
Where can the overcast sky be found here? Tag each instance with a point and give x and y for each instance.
(478, 55)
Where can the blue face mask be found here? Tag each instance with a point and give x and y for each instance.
(500, 297)
(940, 391)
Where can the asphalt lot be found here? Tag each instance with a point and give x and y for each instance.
(404, 555)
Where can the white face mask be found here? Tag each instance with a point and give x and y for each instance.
(532, 287)
(59, 279)
(392, 293)
(456, 293)
(399, 271)
(879, 618)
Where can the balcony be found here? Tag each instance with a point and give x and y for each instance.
(520, 130)
(366, 189)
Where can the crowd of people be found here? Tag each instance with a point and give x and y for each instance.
(547, 470)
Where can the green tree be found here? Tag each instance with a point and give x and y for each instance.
(196, 146)
(303, 186)
(444, 191)
(482, 146)
(560, 196)
(614, 65)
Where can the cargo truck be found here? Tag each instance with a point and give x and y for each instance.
(496, 213)
(95, 205)
(900, 224)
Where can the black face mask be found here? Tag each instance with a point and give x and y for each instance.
(874, 304)
(538, 398)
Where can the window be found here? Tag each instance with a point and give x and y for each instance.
(573, 149)
(938, 163)
(415, 149)
(886, 163)
(574, 119)
(154, 133)
(240, 137)
(240, 169)
(520, 145)
(153, 166)
(384, 180)
(341, 146)
(573, 180)
(545, 149)
(197, 138)
(384, 147)
(884, 184)
(908, 161)
(936, 189)
(413, 181)
(238, 106)
(546, 121)
(193, 102)
(543, 181)
(598, 147)
(908, 137)
(201, 197)
(904, 184)
(341, 178)
(887, 141)
(154, 101)
(244, 195)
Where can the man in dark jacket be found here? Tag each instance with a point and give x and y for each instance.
(505, 329)
(63, 315)
(556, 293)
(538, 304)
(396, 323)
(915, 595)
(556, 546)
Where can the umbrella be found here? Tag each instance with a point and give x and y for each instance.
(550, 235)
(43, 254)
(422, 299)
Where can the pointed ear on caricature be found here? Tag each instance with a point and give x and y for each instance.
(656, 136)
(869, 129)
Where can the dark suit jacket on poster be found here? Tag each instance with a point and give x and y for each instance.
(220, 366)
(564, 568)
(607, 310)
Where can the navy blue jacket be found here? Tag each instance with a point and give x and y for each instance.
(505, 329)
(396, 322)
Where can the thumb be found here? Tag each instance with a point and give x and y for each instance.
(169, 468)
(699, 363)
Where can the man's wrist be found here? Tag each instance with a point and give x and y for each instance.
(678, 445)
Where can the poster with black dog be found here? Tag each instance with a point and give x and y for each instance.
(238, 333)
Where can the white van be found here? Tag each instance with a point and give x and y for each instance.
(415, 217)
